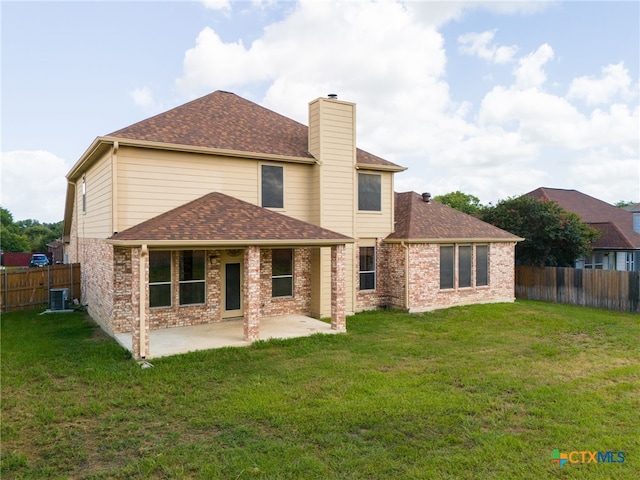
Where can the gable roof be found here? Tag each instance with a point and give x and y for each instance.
(615, 224)
(418, 221)
(217, 219)
(225, 121)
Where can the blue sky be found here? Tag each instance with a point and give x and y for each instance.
(491, 98)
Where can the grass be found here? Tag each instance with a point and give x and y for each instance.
(486, 391)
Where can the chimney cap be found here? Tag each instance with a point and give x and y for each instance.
(333, 96)
(426, 197)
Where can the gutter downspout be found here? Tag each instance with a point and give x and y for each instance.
(144, 251)
(406, 275)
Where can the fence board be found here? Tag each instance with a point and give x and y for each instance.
(29, 288)
(609, 289)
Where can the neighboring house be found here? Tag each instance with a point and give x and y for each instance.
(221, 208)
(635, 210)
(618, 247)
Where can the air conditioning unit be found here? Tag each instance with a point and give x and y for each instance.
(58, 298)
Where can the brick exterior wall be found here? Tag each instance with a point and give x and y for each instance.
(300, 303)
(97, 279)
(424, 279)
(396, 258)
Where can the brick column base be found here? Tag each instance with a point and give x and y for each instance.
(251, 294)
(338, 281)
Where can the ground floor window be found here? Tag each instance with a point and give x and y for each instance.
(192, 277)
(462, 256)
(594, 261)
(482, 265)
(159, 279)
(282, 272)
(367, 268)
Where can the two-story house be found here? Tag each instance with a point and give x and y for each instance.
(222, 209)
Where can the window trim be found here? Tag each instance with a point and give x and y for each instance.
(453, 266)
(369, 210)
(277, 277)
(262, 190)
(367, 272)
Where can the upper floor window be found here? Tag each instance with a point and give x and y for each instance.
(272, 177)
(367, 268)
(282, 272)
(84, 194)
(192, 277)
(159, 279)
(369, 192)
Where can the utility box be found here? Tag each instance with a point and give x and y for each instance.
(58, 298)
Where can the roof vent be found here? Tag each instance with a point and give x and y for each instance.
(426, 197)
(333, 96)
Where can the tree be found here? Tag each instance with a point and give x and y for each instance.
(11, 239)
(624, 203)
(462, 202)
(553, 236)
(27, 235)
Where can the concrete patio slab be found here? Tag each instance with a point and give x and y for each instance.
(173, 341)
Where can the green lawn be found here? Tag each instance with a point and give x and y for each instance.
(478, 392)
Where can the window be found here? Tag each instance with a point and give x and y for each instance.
(272, 186)
(482, 265)
(367, 268)
(192, 277)
(369, 192)
(594, 261)
(464, 266)
(159, 279)
(282, 273)
(84, 194)
(446, 266)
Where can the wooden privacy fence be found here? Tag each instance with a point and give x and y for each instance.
(610, 289)
(29, 288)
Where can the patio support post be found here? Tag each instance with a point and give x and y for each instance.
(252, 294)
(338, 294)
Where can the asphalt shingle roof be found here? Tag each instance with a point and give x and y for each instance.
(416, 219)
(615, 224)
(223, 120)
(217, 217)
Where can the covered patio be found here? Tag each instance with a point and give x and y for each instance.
(173, 341)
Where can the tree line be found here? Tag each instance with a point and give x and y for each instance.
(26, 235)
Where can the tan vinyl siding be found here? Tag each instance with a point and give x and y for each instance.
(153, 182)
(95, 222)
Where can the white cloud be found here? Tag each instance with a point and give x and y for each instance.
(529, 72)
(143, 97)
(613, 83)
(33, 185)
(223, 5)
(480, 45)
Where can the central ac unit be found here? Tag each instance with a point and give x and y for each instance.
(58, 298)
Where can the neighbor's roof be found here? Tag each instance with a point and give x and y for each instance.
(615, 224)
(225, 121)
(419, 221)
(218, 219)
